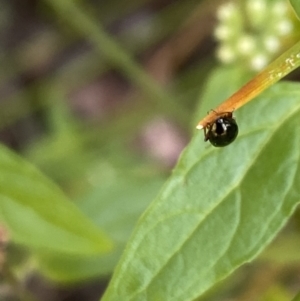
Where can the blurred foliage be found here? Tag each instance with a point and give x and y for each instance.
(101, 96)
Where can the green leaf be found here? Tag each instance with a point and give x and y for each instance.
(297, 297)
(220, 207)
(296, 5)
(115, 207)
(39, 216)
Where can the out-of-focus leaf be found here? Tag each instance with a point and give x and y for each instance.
(296, 5)
(284, 250)
(115, 207)
(220, 207)
(297, 297)
(39, 216)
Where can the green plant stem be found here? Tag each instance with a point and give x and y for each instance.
(90, 28)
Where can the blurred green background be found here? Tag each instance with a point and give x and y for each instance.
(101, 96)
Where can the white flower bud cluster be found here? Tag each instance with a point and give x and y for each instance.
(252, 32)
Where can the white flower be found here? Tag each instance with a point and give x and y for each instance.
(226, 11)
(256, 6)
(226, 54)
(272, 44)
(251, 32)
(223, 32)
(246, 44)
(284, 27)
(258, 62)
(279, 8)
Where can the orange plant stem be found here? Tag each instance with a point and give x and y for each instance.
(279, 68)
